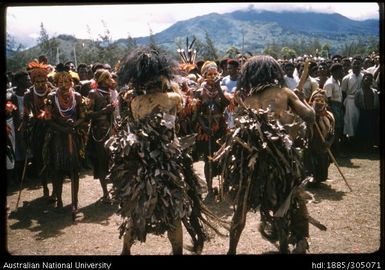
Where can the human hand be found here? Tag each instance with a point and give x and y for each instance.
(299, 94)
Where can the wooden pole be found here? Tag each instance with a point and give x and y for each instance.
(21, 181)
(331, 156)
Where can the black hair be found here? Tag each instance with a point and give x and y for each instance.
(233, 62)
(224, 62)
(143, 68)
(336, 56)
(357, 57)
(335, 67)
(20, 74)
(289, 64)
(97, 66)
(60, 68)
(82, 65)
(260, 71)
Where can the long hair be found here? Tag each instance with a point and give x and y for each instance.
(260, 72)
(146, 69)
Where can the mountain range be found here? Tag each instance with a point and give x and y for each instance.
(253, 30)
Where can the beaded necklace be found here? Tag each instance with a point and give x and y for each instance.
(38, 101)
(70, 104)
(40, 94)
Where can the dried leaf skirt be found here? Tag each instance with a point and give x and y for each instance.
(153, 179)
(262, 170)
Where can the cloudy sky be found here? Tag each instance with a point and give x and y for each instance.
(88, 21)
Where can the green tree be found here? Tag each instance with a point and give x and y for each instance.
(47, 46)
(354, 47)
(288, 53)
(273, 50)
(231, 52)
(325, 51)
(314, 46)
(213, 51)
(106, 50)
(131, 43)
(19, 59)
(152, 40)
(372, 45)
(10, 43)
(205, 49)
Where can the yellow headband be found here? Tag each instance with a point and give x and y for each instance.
(207, 65)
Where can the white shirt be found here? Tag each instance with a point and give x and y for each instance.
(333, 89)
(309, 87)
(351, 83)
(291, 83)
(230, 84)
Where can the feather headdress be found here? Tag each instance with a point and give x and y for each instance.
(37, 70)
(188, 56)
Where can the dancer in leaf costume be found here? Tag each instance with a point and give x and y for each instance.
(260, 166)
(152, 177)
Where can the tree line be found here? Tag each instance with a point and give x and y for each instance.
(105, 50)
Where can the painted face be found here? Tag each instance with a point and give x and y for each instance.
(319, 103)
(40, 84)
(211, 74)
(109, 82)
(64, 82)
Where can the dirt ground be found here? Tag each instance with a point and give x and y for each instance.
(352, 219)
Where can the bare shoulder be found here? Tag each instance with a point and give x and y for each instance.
(330, 116)
(176, 97)
(146, 104)
(92, 93)
(288, 91)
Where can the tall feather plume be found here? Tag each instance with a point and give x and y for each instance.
(188, 55)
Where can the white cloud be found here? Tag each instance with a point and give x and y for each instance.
(136, 20)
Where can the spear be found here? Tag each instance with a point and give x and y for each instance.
(331, 156)
(72, 175)
(209, 157)
(21, 181)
